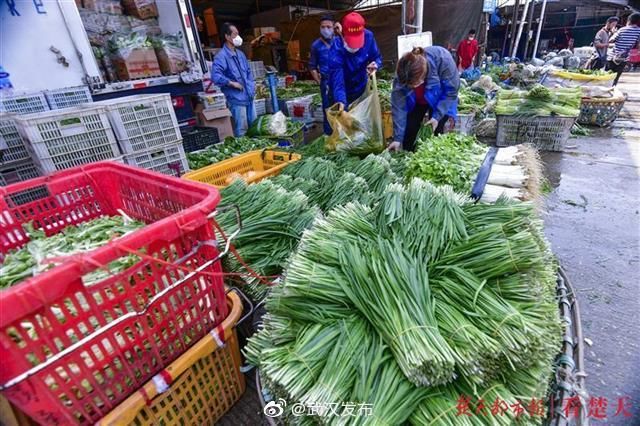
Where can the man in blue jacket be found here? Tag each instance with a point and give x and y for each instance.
(426, 84)
(352, 59)
(319, 64)
(231, 71)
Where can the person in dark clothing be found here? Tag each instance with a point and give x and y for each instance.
(624, 40)
(319, 64)
(601, 44)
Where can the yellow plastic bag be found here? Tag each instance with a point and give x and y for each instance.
(359, 130)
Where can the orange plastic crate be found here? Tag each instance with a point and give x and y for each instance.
(262, 163)
(197, 388)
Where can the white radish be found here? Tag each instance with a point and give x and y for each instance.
(491, 193)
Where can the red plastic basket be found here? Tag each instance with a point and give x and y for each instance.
(71, 353)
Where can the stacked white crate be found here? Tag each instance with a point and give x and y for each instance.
(260, 106)
(15, 160)
(69, 137)
(257, 69)
(213, 101)
(68, 97)
(148, 133)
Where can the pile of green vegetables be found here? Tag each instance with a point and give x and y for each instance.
(470, 101)
(299, 89)
(540, 101)
(227, 149)
(277, 210)
(410, 303)
(263, 126)
(586, 71)
(384, 91)
(42, 253)
(449, 159)
(273, 220)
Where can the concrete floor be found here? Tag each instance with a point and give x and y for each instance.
(593, 224)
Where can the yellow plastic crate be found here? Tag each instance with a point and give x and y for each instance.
(263, 164)
(203, 384)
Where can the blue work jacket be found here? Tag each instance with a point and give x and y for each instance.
(229, 66)
(441, 91)
(319, 57)
(348, 71)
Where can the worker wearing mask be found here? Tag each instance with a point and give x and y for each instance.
(467, 51)
(231, 71)
(353, 58)
(319, 64)
(426, 83)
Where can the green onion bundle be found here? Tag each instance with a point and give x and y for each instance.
(273, 221)
(470, 101)
(539, 102)
(440, 297)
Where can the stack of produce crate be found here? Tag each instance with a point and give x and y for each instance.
(68, 97)
(15, 162)
(64, 138)
(148, 133)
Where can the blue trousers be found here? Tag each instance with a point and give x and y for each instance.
(326, 103)
(243, 117)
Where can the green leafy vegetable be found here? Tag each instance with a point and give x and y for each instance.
(42, 253)
(449, 159)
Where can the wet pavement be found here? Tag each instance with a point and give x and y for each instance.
(593, 223)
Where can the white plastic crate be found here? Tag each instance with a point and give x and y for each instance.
(213, 101)
(68, 97)
(300, 109)
(12, 145)
(318, 114)
(169, 160)
(260, 106)
(25, 103)
(464, 123)
(64, 138)
(142, 122)
(257, 69)
(18, 172)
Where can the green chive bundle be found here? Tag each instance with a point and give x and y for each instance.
(412, 301)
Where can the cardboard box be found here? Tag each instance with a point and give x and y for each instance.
(104, 6)
(139, 63)
(171, 60)
(220, 119)
(141, 9)
(294, 62)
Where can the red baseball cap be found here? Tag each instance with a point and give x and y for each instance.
(353, 30)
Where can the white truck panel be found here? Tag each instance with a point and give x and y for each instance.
(25, 41)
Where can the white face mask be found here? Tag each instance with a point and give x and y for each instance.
(237, 41)
(326, 32)
(350, 49)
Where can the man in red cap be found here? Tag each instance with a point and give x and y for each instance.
(353, 57)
